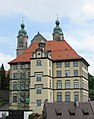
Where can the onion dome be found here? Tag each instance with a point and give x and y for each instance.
(57, 29)
(22, 31)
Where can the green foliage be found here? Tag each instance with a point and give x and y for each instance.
(4, 81)
(91, 86)
(31, 117)
(91, 81)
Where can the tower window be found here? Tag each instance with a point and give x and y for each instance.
(38, 77)
(21, 43)
(38, 89)
(14, 99)
(38, 63)
(14, 85)
(38, 103)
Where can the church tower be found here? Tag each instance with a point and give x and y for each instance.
(57, 32)
(22, 40)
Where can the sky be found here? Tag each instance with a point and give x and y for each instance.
(76, 20)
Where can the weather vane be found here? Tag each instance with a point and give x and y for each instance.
(57, 16)
(22, 19)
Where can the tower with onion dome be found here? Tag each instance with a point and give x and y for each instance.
(57, 31)
(22, 40)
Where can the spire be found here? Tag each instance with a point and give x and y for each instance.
(57, 31)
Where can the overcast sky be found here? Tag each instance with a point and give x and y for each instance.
(76, 18)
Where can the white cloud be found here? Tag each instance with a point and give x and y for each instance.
(4, 58)
(44, 10)
(84, 46)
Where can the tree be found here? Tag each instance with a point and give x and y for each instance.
(4, 80)
(2, 77)
(91, 86)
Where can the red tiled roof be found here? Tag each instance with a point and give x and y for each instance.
(60, 50)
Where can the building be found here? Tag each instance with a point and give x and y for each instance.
(46, 70)
(68, 110)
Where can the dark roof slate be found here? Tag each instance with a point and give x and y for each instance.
(69, 110)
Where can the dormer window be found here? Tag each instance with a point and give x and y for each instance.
(39, 63)
(58, 112)
(85, 111)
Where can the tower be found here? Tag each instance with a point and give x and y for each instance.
(41, 77)
(22, 40)
(57, 31)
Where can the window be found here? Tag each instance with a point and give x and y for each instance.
(22, 85)
(14, 99)
(38, 77)
(67, 73)
(76, 96)
(67, 96)
(22, 66)
(58, 65)
(15, 75)
(75, 72)
(38, 103)
(28, 75)
(76, 84)
(75, 64)
(20, 43)
(38, 89)
(67, 84)
(14, 85)
(59, 97)
(50, 84)
(67, 64)
(59, 84)
(49, 63)
(15, 67)
(38, 63)
(59, 74)
(27, 85)
(49, 72)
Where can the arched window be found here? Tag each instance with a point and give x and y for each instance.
(15, 85)
(14, 97)
(67, 96)
(67, 84)
(59, 84)
(76, 84)
(22, 85)
(59, 96)
(76, 96)
(39, 63)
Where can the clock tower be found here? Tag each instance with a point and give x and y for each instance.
(22, 40)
